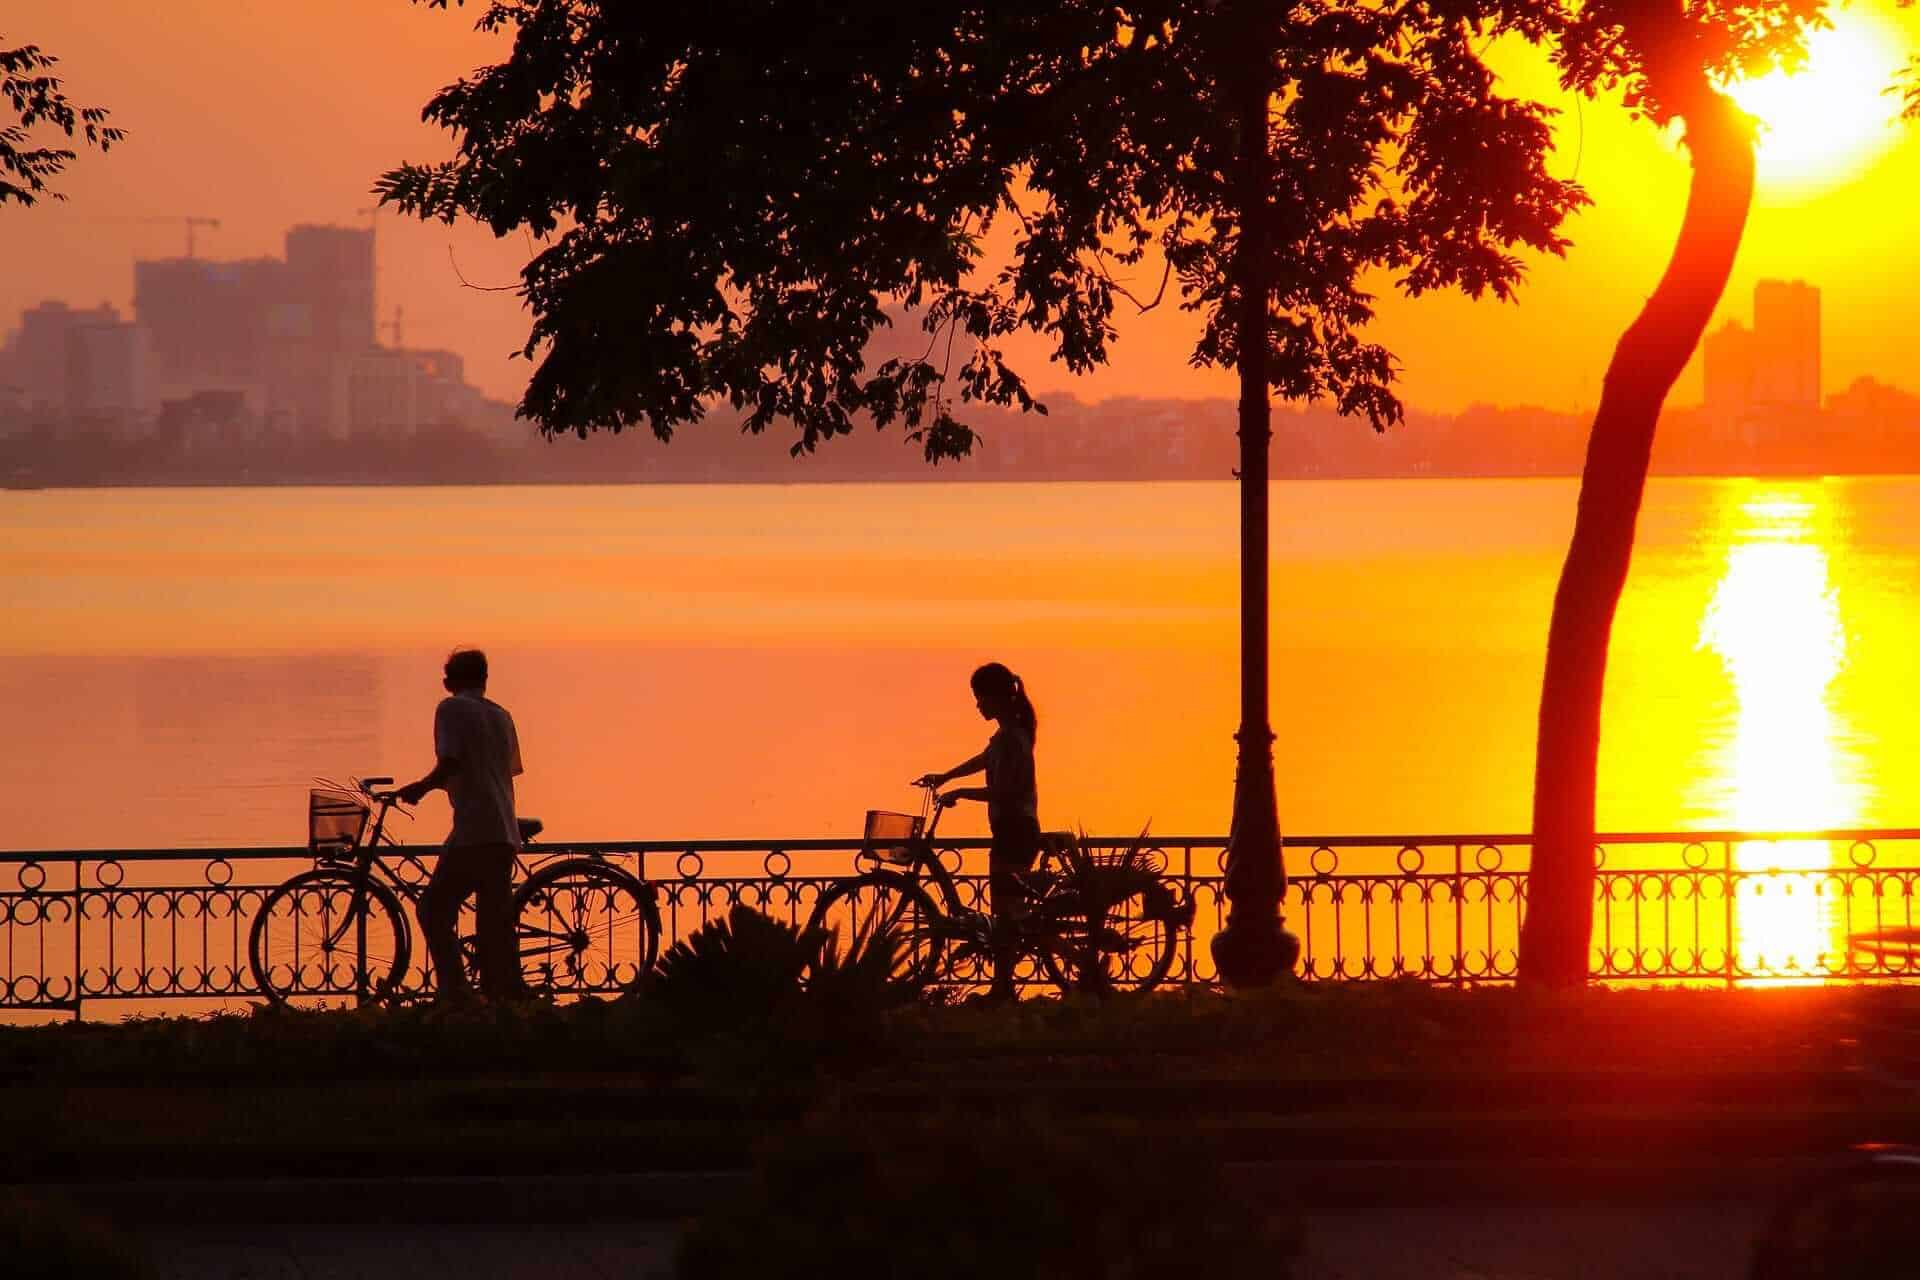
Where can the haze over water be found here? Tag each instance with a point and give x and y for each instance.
(701, 661)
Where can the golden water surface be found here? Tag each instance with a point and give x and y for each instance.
(690, 661)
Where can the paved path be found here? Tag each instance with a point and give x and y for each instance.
(1533, 1242)
(1497, 1242)
(592, 1251)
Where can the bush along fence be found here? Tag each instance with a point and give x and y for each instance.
(118, 931)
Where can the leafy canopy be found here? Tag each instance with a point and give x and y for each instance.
(734, 196)
(34, 95)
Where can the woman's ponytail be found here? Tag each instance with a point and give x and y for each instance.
(995, 679)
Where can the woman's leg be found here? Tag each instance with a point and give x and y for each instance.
(1014, 849)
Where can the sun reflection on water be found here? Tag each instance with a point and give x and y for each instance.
(1775, 622)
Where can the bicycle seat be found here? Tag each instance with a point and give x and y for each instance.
(529, 828)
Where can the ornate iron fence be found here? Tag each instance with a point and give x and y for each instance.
(82, 928)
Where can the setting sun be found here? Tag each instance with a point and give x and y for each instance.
(1822, 124)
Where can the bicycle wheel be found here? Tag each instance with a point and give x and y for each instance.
(853, 912)
(585, 927)
(1106, 928)
(332, 936)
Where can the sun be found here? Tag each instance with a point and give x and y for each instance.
(1826, 122)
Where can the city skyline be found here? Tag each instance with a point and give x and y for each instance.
(277, 356)
(220, 352)
(191, 153)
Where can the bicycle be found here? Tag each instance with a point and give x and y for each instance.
(1088, 921)
(339, 930)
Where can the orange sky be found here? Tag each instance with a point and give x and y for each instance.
(261, 116)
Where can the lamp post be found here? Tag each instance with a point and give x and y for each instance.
(1254, 949)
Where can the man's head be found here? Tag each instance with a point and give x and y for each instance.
(466, 669)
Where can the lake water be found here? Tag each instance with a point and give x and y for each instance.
(757, 661)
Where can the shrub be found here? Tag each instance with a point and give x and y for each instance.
(739, 970)
(749, 969)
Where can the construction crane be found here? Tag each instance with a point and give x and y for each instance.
(212, 224)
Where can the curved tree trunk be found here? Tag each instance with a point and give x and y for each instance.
(1558, 929)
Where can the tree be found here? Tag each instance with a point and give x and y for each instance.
(34, 95)
(1669, 56)
(732, 195)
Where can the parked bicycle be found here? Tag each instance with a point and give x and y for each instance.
(1088, 919)
(339, 930)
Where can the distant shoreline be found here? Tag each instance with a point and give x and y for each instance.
(946, 474)
(1870, 429)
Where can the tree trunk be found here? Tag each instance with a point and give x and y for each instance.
(1253, 950)
(1558, 929)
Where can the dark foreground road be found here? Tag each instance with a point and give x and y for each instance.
(624, 1229)
(1495, 1242)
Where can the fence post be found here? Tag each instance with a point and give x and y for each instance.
(1186, 890)
(1726, 849)
(79, 987)
(1459, 923)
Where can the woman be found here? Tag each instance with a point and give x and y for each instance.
(1011, 796)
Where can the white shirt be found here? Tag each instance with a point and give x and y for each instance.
(478, 735)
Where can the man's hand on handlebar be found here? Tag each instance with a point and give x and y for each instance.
(930, 780)
(411, 793)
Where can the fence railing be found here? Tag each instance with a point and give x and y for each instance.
(80, 929)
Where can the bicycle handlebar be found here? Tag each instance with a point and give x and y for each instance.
(931, 801)
(371, 788)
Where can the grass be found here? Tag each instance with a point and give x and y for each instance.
(1355, 1069)
(1301, 1034)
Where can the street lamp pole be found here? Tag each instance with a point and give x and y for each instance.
(1253, 949)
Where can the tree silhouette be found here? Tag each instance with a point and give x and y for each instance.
(1668, 56)
(35, 96)
(733, 195)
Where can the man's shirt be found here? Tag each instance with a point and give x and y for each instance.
(478, 735)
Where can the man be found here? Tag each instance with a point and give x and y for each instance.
(477, 757)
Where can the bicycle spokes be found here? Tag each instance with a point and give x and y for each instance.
(585, 926)
(329, 934)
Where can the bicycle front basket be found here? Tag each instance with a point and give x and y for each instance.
(886, 834)
(336, 822)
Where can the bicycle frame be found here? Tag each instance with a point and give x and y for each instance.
(370, 865)
(370, 877)
(369, 862)
(925, 864)
(928, 869)
(1075, 916)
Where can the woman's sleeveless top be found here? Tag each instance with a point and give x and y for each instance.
(1011, 790)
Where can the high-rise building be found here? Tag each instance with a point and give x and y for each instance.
(1769, 374)
(209, 320)
(330, 273)
(1786, 334)
(37, 351)
(1727, 355)
(284, 332)
(110, 375)
(394, 393)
